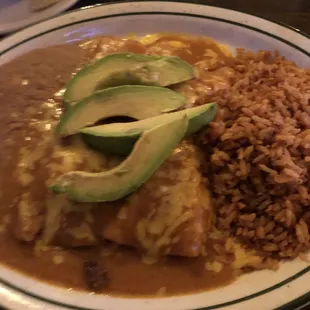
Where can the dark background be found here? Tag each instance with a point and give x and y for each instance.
(295, 13)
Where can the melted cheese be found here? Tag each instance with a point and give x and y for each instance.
(171, 205)
(83, 231)
(58, 259)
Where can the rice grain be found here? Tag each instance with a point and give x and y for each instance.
(257, 155)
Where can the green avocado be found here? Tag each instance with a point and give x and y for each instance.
(151, 150)
(119, 138)
(127, 69)
(135, 101)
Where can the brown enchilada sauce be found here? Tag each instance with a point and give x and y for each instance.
(30, 105)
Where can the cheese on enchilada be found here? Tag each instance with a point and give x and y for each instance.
(169, 215)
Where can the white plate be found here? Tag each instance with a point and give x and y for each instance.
(16, 14)
(264, 290)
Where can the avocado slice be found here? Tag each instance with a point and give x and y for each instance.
(127, 69)
(135, 101)
(151, 150)
(119, 138)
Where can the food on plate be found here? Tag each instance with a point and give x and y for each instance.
(257, 156)
(148, 154)
(126, 69)
(207, 180)
(119, 138)
(135, 101)
(176, 219)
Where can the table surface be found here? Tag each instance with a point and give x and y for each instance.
(295, 13)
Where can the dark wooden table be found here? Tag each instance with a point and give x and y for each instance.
(295, 13)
